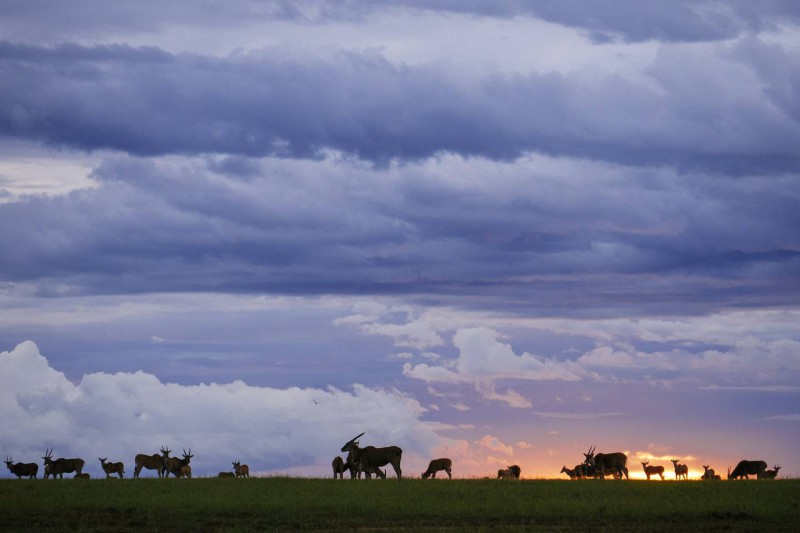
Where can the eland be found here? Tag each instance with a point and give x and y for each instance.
(152, 462)
(61, 466)
(29, 470)
(603, 462)
(369, 458)
(747, 468)
(179, 467)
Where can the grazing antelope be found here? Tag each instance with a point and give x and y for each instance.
(770, 474)
(84, 475)
(653, 470)
(112, 468)
(610, 462)
(226, 474)
(152, 462)
(747, 468)
(29, 470)
(708, 473)
(60, 466)
(178, 467)
(436, 465)
(241, 470)
(369, 458)
(680, 470)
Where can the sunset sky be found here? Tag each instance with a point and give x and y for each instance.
(492, 230)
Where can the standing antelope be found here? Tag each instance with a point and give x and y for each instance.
(152, 462)
(653, 470)
(572, 473)
(436, 465)
(610, 462)
(179, 467)
(60, 466)
(241, 470)
(339, 467)
(369, 458)
(112, 468)
(29, 470)
(770, 474)
(680, 470)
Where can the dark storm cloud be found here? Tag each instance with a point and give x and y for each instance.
(522, 242)
(145, 101)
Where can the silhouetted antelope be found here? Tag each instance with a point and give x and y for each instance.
(112, 468)
(770, 474)
(178, 467)
(680, 470)
(512, 472)
(607, 462)
(29, 470)
(709, 474)
(653, 470)
(745, 469)
(241, 470)
(60, 466)
(436, 465)
(571, 472)
(371, 457)
(152, 462)
(339, 467)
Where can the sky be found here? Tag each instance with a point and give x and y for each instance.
(496, 231)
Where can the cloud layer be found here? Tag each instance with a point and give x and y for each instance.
(524, 227)
(119, 415)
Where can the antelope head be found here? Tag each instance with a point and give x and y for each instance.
(776, 468)
(9, 461)
(590, 455)
(645, 463)
(187, 456)
(48, 455)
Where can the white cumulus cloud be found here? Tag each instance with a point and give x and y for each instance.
(119, 415)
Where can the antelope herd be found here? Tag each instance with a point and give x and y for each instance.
(368, 461)
(597, 465)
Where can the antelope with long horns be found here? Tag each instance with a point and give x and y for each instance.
(607, 462)
(369, 458)
(61, 466)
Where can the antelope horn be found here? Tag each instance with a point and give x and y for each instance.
(357, 436)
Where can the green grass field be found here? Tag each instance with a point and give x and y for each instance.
(260, 504)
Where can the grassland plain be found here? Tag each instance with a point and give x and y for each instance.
(269, 504)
